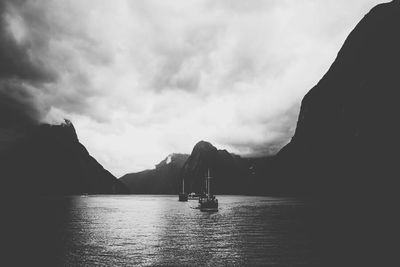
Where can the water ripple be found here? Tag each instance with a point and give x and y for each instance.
(160, 231)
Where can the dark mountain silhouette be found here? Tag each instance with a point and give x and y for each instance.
(231, 174)
(164, 179)
(49, 160)
(346, 129)
(346, 144)
(38, 164)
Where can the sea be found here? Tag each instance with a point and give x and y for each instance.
(158, 230)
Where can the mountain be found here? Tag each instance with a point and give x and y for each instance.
(49, 160)
(346, 131)
(164, 179)
(345, 148)
(229, 172)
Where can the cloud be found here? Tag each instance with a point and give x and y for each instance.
(21, 73)
(142, 79)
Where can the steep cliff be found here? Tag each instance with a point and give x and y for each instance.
(344, 151)
(346, 132)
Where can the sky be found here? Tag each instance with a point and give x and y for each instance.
(141, 79)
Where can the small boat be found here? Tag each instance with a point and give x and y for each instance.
(193, 196)
(183, 196)
(207, 201)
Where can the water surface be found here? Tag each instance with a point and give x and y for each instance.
(145, 230)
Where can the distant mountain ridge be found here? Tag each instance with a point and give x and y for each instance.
(231, 174)
(163, 179)
(228, 171)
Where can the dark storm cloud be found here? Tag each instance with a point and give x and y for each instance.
(18, 72)
(16, 106)
(41, 52)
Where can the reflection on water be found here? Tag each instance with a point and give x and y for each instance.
(159, 230)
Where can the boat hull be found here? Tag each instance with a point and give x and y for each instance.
(193, 197)
(210, 205)
(209, 209)
(183, 197)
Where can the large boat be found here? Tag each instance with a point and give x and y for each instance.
(208, 201)
(183, 196)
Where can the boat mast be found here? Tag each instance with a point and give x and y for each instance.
(208, 182)
(206, 185)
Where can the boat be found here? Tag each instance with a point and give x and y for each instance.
(207, 201)
(183, 196)
(193, 196)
